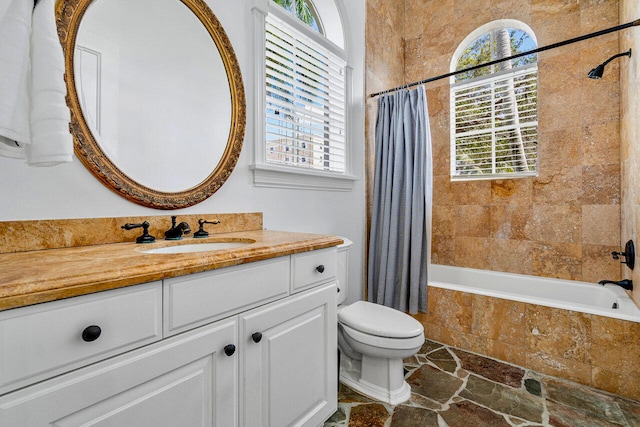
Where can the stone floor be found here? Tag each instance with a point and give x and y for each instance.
(454, 388)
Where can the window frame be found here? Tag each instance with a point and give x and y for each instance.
(287, 176)
(455, 86)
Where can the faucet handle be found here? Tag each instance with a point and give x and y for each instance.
(145, 237)
(201, 233)
(629, 255)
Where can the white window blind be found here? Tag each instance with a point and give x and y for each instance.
(305, 101)
(495, 125)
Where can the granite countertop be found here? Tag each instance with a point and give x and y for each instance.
(46, 275)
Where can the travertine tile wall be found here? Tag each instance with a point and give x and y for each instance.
(384, 69)
(593, 350)
(21, 236)
(565, 222)
(630, 134)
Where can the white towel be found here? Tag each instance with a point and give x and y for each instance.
(51, 142)
(15, 30)
(48, 141)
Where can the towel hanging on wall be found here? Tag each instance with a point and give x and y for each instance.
(15, 31)
(34, 118)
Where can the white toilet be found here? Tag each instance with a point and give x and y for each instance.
(373, 340)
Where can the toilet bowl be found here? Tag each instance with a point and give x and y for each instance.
(373, 340)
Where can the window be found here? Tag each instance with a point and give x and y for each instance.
(305, 94)
(494, 120)
(305, 100)
(304, 10)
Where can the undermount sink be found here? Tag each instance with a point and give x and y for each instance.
(197, 247)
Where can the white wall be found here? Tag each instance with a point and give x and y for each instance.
(70, 191)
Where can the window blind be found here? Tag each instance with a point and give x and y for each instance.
(305, 101)
(495, 125)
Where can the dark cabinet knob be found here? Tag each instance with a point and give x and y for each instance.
(91, 333)
(256, 337)
(229, 349)
(320, 268)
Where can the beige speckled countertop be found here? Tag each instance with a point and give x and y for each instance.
(45, 275)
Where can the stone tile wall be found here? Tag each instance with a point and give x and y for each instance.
(384, 69)
(565, 222)
(593, 350)
(630, 134)
(33, 235)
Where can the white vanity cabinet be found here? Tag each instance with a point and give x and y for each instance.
(251, 345)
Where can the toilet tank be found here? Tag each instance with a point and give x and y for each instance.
(343, 269)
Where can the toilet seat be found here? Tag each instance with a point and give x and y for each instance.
(411, 343)
(377, 320)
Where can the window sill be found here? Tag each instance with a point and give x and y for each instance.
(289, 177)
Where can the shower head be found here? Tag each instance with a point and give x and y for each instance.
(597, 72)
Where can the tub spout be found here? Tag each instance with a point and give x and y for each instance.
(625, 284)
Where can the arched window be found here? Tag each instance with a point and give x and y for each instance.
(494, 113)
(304, 10)
(305, 94)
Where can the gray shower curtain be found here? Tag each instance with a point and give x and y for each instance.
(400, 241)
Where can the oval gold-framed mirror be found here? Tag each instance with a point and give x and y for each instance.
(226, 123)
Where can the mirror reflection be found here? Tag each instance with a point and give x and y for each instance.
(158, 110)
(153, 90)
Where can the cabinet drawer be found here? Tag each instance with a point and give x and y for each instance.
(201, 298)
(313, 268)
(40, 341)
(183, 381)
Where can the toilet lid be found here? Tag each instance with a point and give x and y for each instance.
(378, 320)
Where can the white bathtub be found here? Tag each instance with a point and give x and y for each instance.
(609, 300)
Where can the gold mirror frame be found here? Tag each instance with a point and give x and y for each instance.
(69, 14)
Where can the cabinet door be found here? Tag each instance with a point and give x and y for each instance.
(290, 373)
(187, 380)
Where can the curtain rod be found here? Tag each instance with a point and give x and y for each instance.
(497, 61)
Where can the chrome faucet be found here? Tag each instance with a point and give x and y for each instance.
(625, 284)
(176, 231)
